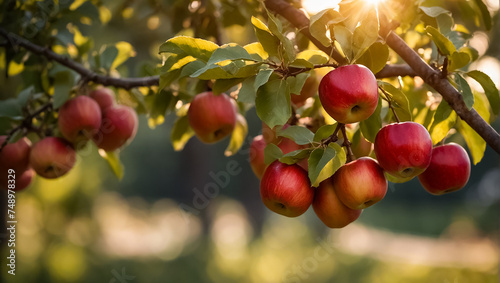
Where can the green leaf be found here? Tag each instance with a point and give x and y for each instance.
(315, 57)
(249, 87)
(444, 119)
(434, 11)
(269, 42)
(489, 88)
(297, 82)
(160, 105)
(371, 126)
(235, 69)
(344, 37)
(63, 83)
(324, 162)
(271, 153)
(375, 58)
(485, 14)
(444, 45)
(25, 95)
(399, 101)
(16, 136)
(295, 156)
(256, 50)
(464, 89)
(229, 51)
(108, 56)
(286, 44)
(237, 136)
(445, 23)
(273, 102)
(318, 25)
(125, 51)
(113, 160)
(473, 54)
(324, 132)
(222, 85)
(475, 142)
(189, 46)
(458, 60)
(181, 133)
(168, 78)
(300, 135)
(10, 108)
(365, 34)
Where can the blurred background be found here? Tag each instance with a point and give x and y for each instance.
(159, 224)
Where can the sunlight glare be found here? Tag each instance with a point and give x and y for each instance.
(315, 6)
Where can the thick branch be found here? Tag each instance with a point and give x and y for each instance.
(126, 83)
(443, 86)
(301, 22)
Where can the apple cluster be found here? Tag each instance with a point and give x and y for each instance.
(96, 117)
(403, 151)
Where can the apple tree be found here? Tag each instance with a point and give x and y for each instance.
(349, 97)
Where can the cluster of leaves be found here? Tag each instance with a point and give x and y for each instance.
(266, 73)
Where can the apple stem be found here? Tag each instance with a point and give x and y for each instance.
(389, 101)
(347, 144)
(334, 137)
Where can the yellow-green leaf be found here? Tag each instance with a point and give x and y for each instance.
(113, 160)
(238, 136)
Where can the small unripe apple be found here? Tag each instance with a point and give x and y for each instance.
(360, 183)
(257, 156)
(308, 90)
(330, 210)
(212, 117)
(79, 119)
(119, 126)
(15, 155)
(21, 181)
(286, 190)
(449, 170)
(403, 149)
(52, 157)
(104, 97)
(349, 93)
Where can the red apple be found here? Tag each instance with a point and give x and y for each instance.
(79, 119)
(360, 183)
(403, 149)
(119, 126)
(349, 93)
(212, 117)
(52, 157)
(330, 210)
(16, 155)
(257, 156)
(449, 170)
(362, 147)
(270, 134)
(308, 90)
(104, 96)
(19, 180)
(285, 189)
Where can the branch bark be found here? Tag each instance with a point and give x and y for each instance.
(126, 83)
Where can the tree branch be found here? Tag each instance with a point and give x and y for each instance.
(301, 22)
(443, 86)
(126, 83)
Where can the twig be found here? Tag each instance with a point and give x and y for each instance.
(126, 83)
(389, 101)
(333, 137)
(347, 144)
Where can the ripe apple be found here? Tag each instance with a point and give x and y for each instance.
(285, 189)
(349, 93)
(257, 156)
(362, 147)
(449, 170)
(308, 90)
(212, 117)
(270, 134)
(19, 182)
(119, 126)
(360, 183)
(79, 119)
(15, 155)
(330, 210)
(403, 149)
(52, 157)
(104, 97)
